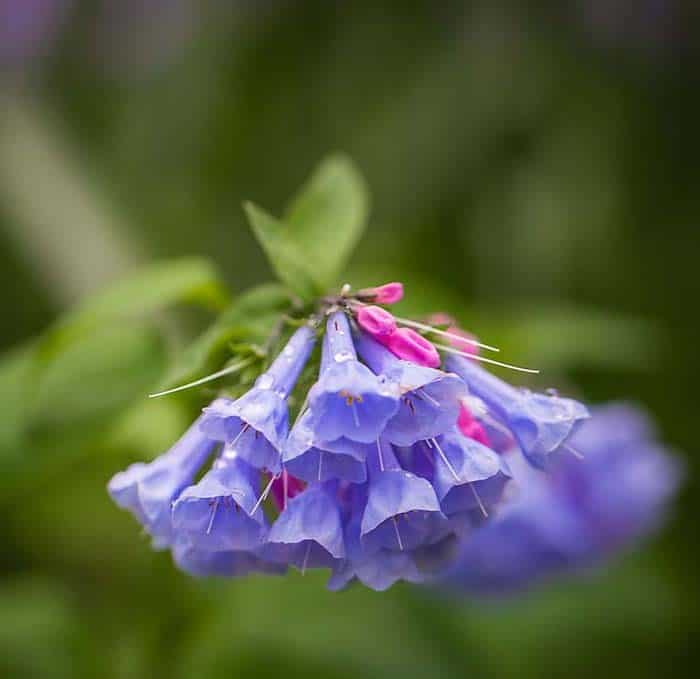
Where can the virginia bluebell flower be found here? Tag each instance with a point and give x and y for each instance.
(430, 399)
(309, 531)
(148, 489)
(256, 425)
(202, 563)
(468, 475)
(402, 510)
(349, 400)
(221, 513)
(582, 511)
(307, 458)
(397, 470)
(377, 569)
(542, 424)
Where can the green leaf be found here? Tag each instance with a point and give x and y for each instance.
(286, 257)
(248, 319)
(328, 217)
(188, 280)
(310, 247)
(94, 380)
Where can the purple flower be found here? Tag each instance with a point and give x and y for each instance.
(257, 424)
(309, 531)
(378, 569)
(430, 399)
(402, 510)
(201, 563)
(580, 513)
(311, 460)
(468, 475)
(221, 513)
(542, 424)
(349, 400)
(147, 490)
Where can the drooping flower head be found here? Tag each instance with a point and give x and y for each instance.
(398, 466)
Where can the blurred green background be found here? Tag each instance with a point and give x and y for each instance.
(534, 169)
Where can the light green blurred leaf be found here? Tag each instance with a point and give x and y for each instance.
(188, 280)
(249, 318)
(310, 247)
(328, 216)
(95, 378)
(286, 258)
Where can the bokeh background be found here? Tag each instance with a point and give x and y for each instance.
(534, 169)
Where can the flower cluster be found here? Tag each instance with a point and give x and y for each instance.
(396, 467)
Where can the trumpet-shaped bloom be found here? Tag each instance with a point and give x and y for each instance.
(430, 399)
(312, 460)
(378, 569)
(402, 510)
(542, 424)
(348, 400)
(468, 475)
(148, 489)
(257, 424)
(220, 513)
(309, 531)
(201, 563)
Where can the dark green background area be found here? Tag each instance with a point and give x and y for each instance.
(534, 169)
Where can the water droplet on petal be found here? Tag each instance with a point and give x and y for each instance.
(342, 356)
(265, 381)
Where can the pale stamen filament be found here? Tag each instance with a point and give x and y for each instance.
(483, 359)
(235, 367)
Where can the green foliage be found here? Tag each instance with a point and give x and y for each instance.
(249, 319)
(188, 280)
(309, 249)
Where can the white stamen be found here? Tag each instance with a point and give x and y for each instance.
(445, 460)
(209, 378)
(424, 394)
(479, 502)
(306, 558)
(354, 414)
(213, 514)
(285, 488)
(381, 457)
(578, 455)
(443, 333)
(483, 359)
(396, 530)
(264, 495)
(243, 430)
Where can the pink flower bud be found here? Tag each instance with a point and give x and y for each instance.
(390, 293)
(377, 322)
(410, 346)
(471, 427)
